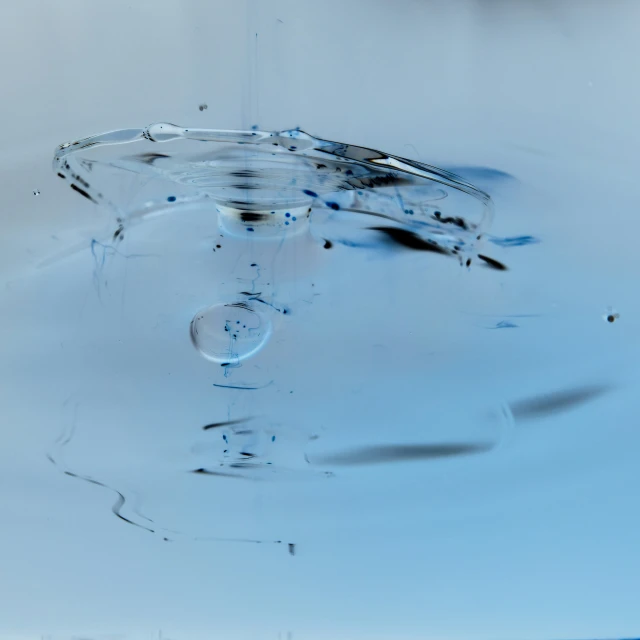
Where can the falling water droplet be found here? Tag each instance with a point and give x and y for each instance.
(229, 333)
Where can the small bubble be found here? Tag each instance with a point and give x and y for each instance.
(202, 107)
(36, 192)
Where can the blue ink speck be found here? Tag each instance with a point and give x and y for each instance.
(313, 194)
(171, 199)
(287, 215)
(333, 205)
(273, 212)
(237, 321)
(224, 437)
(294, 218)
(253, 264)
(286, 222)
(254, 127)
(273, 438)
(249, 228)
(518, 241)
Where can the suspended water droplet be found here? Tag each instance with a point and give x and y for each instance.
(230, 333)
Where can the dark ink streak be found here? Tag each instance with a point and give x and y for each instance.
(459, 222)
(494, 264)
(240, 387)
(150, 158)
(410, 240)
(399, 453)
(120, 501)
(240, 305)
(284, 310)
(82, 192)
(245, 173)
(221, 474)
(555, 402)
(227, 423)
(248, 216)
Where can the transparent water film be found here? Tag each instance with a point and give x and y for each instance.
(231, 264)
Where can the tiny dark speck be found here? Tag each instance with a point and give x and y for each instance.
(328, 244)
(333, 205)
(288, 215)
(62, 176)
(611, 318)
(218, 246)
(171, 199)
(253, 264)
(249, 228)
(313, 194)
(273, 438)
(292, 549)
